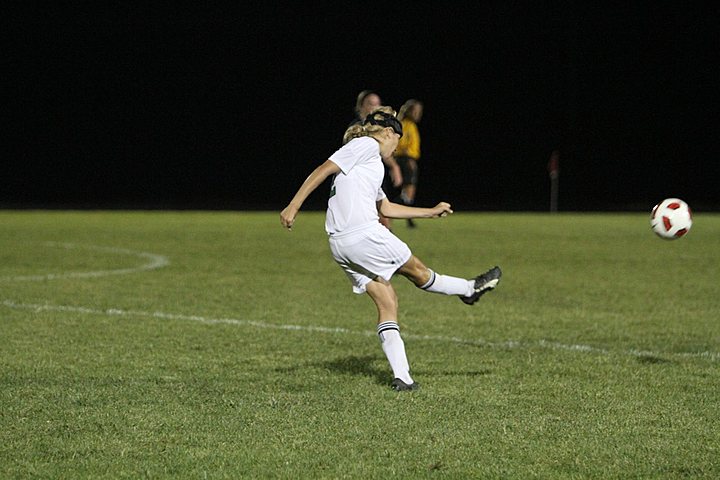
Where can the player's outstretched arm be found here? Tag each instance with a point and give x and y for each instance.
(317, 177)
(395, 210)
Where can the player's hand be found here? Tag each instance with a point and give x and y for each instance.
(287, 217)
(442, 209)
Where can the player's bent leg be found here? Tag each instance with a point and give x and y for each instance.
(383, 294)
(469, 291)
(415, 271)
(426, 279)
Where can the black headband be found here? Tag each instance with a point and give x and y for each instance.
(384, 120)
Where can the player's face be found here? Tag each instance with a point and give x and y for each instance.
(394, 139)
(388, 142)
(417, 113)
(370, 104)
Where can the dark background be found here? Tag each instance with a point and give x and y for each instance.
(231, 107)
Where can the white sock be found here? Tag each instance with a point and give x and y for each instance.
(449, 285)
(394, 348)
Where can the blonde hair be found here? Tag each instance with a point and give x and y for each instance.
(364, 130)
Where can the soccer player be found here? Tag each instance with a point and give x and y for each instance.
(407, 153)
(367, 102)
(366, 250)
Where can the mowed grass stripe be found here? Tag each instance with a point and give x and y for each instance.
(508, 344)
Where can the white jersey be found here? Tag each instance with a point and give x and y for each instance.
(356, 189)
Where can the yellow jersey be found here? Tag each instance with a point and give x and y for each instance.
(409, 144)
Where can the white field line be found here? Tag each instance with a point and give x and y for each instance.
(152, 262)
(506, 345)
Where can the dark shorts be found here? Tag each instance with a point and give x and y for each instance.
(408, 167)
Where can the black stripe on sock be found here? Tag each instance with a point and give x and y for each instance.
(387, 326)
(430, 282)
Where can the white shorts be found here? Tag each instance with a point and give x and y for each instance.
(368, 254)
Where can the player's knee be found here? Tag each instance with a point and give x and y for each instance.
(393, 300)
(388, 308)
(415, 271)
(384, 297)
(420, 276)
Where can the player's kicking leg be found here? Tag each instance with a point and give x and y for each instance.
(469, 291)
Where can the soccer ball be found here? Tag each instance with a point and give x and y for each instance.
(671, 218)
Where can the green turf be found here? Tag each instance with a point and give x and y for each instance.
(248, 356)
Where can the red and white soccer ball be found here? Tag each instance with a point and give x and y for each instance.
(671, 218)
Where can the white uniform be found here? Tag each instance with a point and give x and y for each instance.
(360, 244)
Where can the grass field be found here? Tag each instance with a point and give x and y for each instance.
(218, 345)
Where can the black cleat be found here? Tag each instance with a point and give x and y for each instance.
(483, 284)
(400, 386)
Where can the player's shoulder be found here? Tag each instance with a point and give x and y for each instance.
(357, 150)
(364, 146)
(363, 141)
